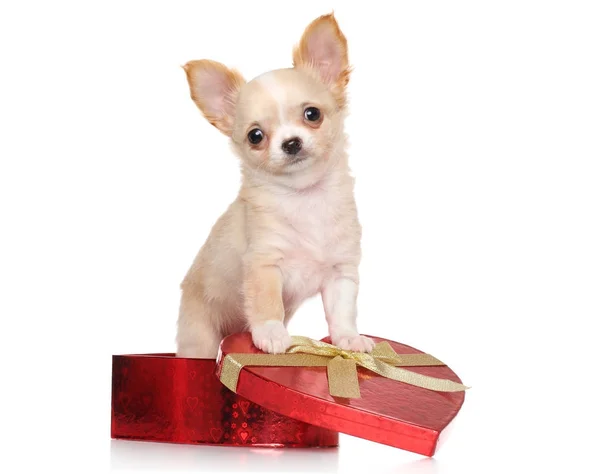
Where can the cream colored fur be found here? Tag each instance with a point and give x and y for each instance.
(293, 231)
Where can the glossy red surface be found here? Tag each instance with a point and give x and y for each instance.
(159, 397)
(388, 412)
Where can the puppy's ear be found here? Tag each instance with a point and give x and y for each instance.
(214, 88)
(324, 50)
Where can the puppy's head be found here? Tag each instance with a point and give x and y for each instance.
(286, 122)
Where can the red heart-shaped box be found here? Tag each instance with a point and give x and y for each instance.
(388, 412)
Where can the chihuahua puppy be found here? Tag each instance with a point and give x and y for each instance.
(293, 230)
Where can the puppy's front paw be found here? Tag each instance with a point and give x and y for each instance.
(271, 337)
(356, 343)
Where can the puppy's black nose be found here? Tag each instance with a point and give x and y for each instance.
(292, 146)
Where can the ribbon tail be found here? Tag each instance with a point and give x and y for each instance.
(230, 372)
(418, 380)
(343, 378)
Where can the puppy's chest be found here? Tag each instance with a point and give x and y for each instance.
(314, 241)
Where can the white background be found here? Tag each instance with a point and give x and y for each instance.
(475, 132)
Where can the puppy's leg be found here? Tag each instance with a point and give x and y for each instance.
(339, 295)
(290, 310)
(264, 308)
(197, 336)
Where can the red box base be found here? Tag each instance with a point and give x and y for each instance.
(160, 397)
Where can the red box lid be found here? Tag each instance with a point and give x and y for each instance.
(388, 412)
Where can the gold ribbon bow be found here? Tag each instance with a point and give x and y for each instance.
(341, 366)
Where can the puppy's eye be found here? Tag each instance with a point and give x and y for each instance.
(312, 114)
(255, 136)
